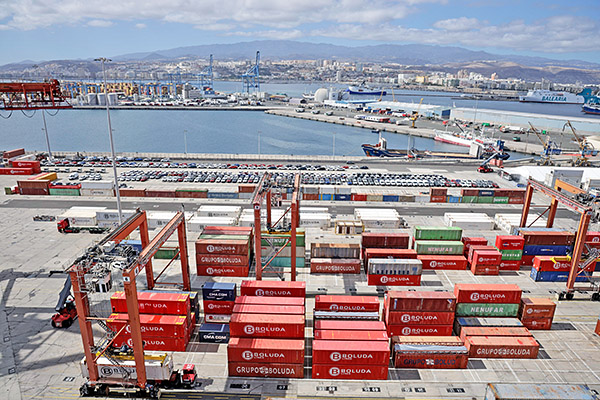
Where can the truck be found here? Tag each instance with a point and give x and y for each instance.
(66, 312)
(117, 374)
(64, 226)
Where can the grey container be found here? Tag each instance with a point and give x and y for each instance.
(531, 391)
(395, 266)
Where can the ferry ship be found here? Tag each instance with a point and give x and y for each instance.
(548, 96)
(458, 139)
(362, 90)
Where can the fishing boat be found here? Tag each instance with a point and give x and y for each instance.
(591, 108)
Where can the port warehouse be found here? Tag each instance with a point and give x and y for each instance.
(329, 253)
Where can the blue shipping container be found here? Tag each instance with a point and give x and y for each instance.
(223, 195)
(453, 199)
(214, 333)
(325, 196)
(486, 193)
(390, 197)
(343, 197)
(220, 291)
(136, 244)
(546, 250)
(553, 276)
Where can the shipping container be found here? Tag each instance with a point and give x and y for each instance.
(418, 317)
(510, 242)
(154, 303)
(552, 263)
(223, 246)
(393, 280)
(535, 307)
(227, 230)
(268, 309)
(335, 265)
(217, 318)
(440, 262)
(434, 233)
(361, 335)
(420, 301)
(217, 307)
(335, 250)
(508, 265)
(474, 247)
(385, 240)
(213, 333)
(269, 301)
(495, 331)
(221, 291)
(279, 351)
(205, 270)
(369, 253)
(270, 326)
(132, 192)
(356, 372)
(428, 340)
(487, 293)
(350, 352)
(438, 247)
(502, 347)
(485, 269)
(511, 255)
(273, 288)
(554, 276)
(229, 260)
(461, 322)
(537, 323)
(16, 171)
(533, 391)
(546, 250)
(419, 330)
(430, 356)
(486, 257)
(346, 303)
(394, 266)
(262, 370)
(152, 325)
(486, 310)
(349, 325)
(154, 343)
(553, 237)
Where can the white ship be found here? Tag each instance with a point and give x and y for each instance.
(458, 139)
(549, 96)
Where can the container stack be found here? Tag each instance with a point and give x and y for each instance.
(487, 300)
(545, 242)
(484, 261)
(472, 241)
(438, 240)
(271, 242)
(419, 313)
(387, 218)
(267, 330)
(385, 243)
(394, 272)
(346, 307)
(499, 342)
(224, 251)
(167, 320)
(511, 222)
(537, 313)
(350, 350)
(335, 258)
(218, 299)
(553, 269)
(429, 352)
(511, 248)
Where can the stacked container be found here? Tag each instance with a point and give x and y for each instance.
(511, 248)
(380, 240)
(346, 307)
(537, 313)
(438, 240)
(166, 320)
(487, 300)
(497, 322)
(272, 241)
(224, 251)
(419, 313)
(394, 272)
(429, 352)
(485, 261)
(472, 241)
(218, 300)
(267, 330)
(552, 269)
(545, 242)
(341, 258)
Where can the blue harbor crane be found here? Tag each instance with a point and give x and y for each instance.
(206, 76)
(251, 78)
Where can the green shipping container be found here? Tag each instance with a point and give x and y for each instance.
(486, 310)
(280, 238)
(7, 190)
(485, 199)
(437, 233)
(469, 199)
(508, 255)
(439, 247)
(64, 192)
(224, 237)
(500, 200)
(284, 262)
(166, 253)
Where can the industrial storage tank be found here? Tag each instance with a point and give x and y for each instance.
(92, 99)
(321, 95)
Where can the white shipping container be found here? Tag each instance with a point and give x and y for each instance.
(79, 217)
(156, 370)
(113, 215)
(219, 211)
(97, 185)
(97, 192)
(317, 220)
(314, 210)
(197, 224)
(158, 219)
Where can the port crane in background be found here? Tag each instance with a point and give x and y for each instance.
(263, 192)
(415, 114)
(206, 76)
(586, 149)
(550, 147)
(250, 79)
(583, 258)
(32, 96)
(98, 263)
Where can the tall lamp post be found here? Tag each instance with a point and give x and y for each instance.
(185, 140)
(110, 135)
(45, 129)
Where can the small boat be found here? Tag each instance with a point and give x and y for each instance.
(591, 108)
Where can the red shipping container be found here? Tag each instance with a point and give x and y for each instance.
(16, 171)
(592, 237)
(218, 307)
(217, 270)
(486, 257)
(223, 246)
(334, 325)
(357, 197)
(335, 266)
(274, 326)
(160, 193)
(152, 325)
(270, 301)
(438, 191)
(487, 293)
(346, 303)
(597, 329)
(388, 253)
(425, 360)
(548, 238)
(420, 301)
(437, 199)
(225, 260)
(527, 260)
(485, 270)
(263, 370)
(246, 188)
(379, 240)
(469, 192)
(495, 331)
(273, 288)
(547, 263)
(502, 347)
(516, 200)
(470, 240)
(35, 165)
(440, 262)
(510, 242)
(540, 324)
(419, 330)
(154, 344)
(132, 192)
(534, 307)
(351, 335)
(13, 153)
(154, 303)
(510, 265)
(280, 351)
(474, 247)
(349, 372)
(268, 309)
(394, 280)
(418, 317)
(34, 192)
(350, 352)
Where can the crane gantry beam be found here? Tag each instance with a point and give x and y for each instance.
(32, 96)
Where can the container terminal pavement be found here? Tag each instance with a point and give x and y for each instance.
(39, 361)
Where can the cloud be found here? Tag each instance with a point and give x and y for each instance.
(140, 26)
(99, 23)
(271, 34)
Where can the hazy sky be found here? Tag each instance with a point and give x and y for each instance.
(60, 29)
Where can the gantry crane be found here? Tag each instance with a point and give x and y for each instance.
(250, 79)
(206, 76)
(32, 96)
(85, 264)
(261, 193)
(579, 266)
(549, 146)
(586, 149)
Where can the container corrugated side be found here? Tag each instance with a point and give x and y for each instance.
(533, 391)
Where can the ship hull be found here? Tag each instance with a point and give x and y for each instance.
(595, 110)
(452, 140)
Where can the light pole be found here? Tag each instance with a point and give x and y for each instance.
(334, 144)
(185, 140)
(45, 129)
(110, 136)
(259, 132)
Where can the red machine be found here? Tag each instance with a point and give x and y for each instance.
(66, 310)
(33, 96)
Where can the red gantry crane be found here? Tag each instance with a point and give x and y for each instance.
(32, 96)
(261, 193)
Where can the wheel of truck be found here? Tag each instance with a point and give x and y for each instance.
(53, 324)
(596, 296)
(570, 296)
(84, 390)
(67, 323)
